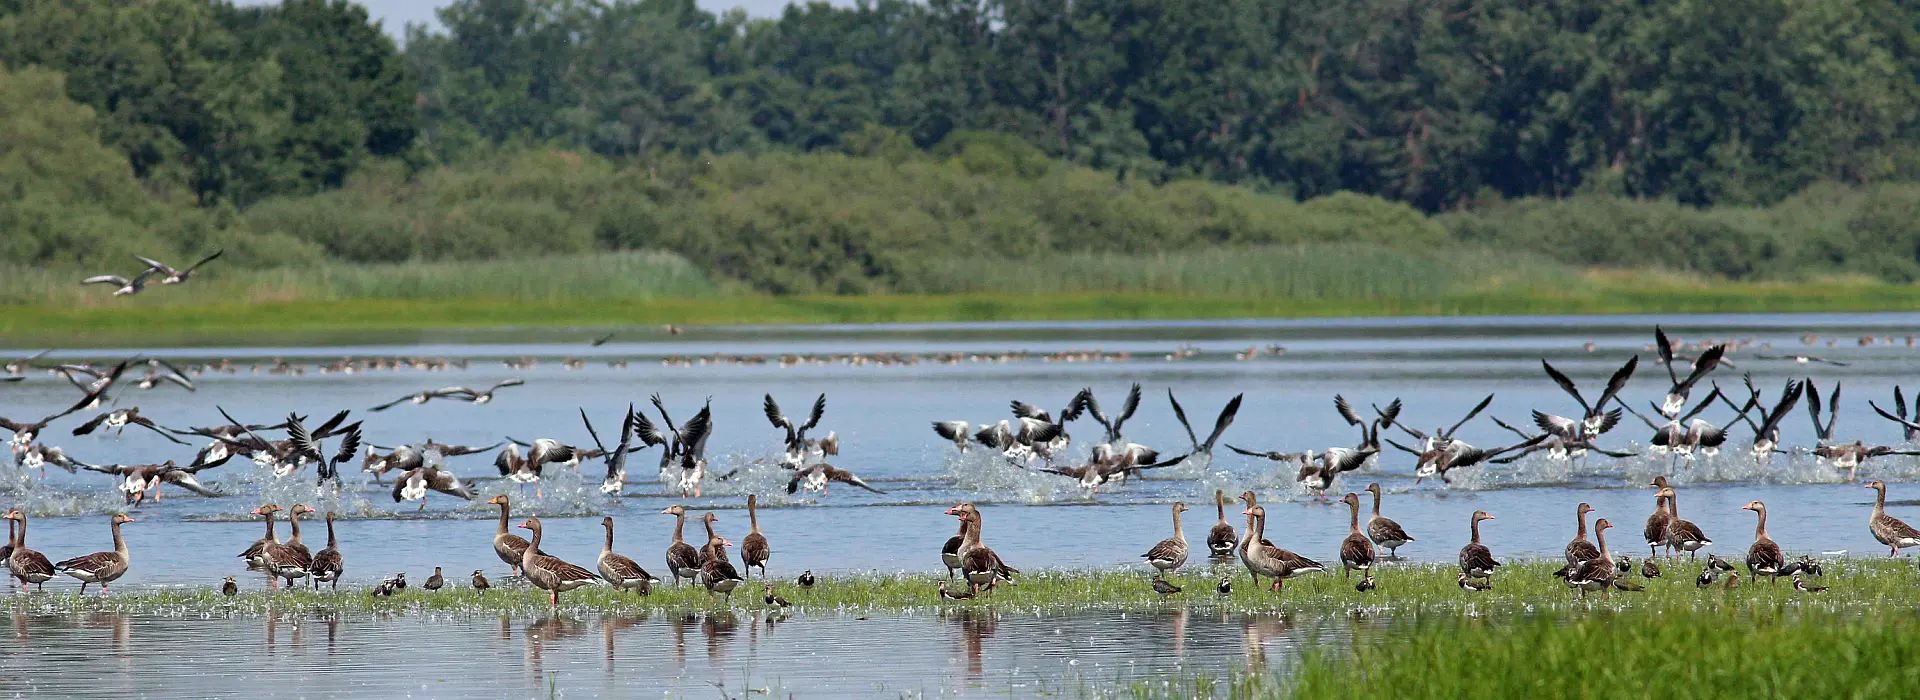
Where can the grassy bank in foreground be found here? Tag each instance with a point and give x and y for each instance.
(1415, 591)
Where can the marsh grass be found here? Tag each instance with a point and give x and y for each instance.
(1859, 587)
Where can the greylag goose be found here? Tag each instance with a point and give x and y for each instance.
(420, 397)
(169, 275)
(633, 424)
(1683, 433)
(1475, 559)
(818, 476)
(1105, 463)
(1766, 432)
(328, 565)
(1221, 540)
(1676, 397)
(754, 549)
(25, 433)
(683, 561)
(1384, 531)
(713, 546)
(1764, 557)
(549, 573)
(1908, 429)
(506, 545)
(979, 565)
(1889, 530)
(797, 446)
(1595, 419)
(1356, 551)
(527, 470)
(480, 580)
(1035, 438)
(1219, 424)
(1318, 470)
(1278, 564)
(1442, 456)
(294, 541)
(950, 552)
(118, 419)
(623, 573)
(1579, 549)
(1596, 574)
(717, 572)
(1033, 418)
(414, 485)
(408, 457)
(435, 582)
(256, 554)
(1681, 534)
(1656, 531)
(6, 550)
(123, 286)
(100, 567)
(307, 446)
(1171, 553)
(289, 559)
(484, 396)
(686, 448)
(1431, 446)
(1115, 424)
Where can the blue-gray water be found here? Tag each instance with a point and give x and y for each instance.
(882, 411)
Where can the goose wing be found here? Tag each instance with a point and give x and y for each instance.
(92, 423)
(114, 280)
(205, 260)
(847, 477)
(1219, 424)
(1617, 382)
(1470, 414)
(951, 429)
(1181, 414)
(1566, 384)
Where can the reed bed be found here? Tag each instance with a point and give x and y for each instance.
(1859, 587)
(1320, 272)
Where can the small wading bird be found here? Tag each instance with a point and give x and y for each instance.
(171, 275)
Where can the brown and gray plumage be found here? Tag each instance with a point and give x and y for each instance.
(1579, 549)
(328, 564)
(1656, 530)
(754, 549)
(1598, 573)
(1171, 553)
(1764, 557)
(1384, 531)
(980, 565)
(435, 582)
(100, 567)
(1221, 539)
(717, 572)
(506, 545)
(623, 573)
(414, 485)
(480, 580)
(1356, 551)
(1164, 588)
(550, 573)
(950, 552)
(1889, 530)
(1683, 534)
(683, 561)
(174, 276)
(818, 476)
(1476, 560)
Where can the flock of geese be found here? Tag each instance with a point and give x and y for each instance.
(123, 286)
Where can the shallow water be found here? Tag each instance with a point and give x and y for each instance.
(1439, 367)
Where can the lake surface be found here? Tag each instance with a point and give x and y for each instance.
(885, 385)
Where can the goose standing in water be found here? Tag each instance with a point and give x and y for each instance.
(950, 552)
(1766, 432)
(1656, 531)
(1476, 561)
(683, 561)
(800, 450)
(169, 275)
(256, 553)
(1171, 553)
(717, 572)
(1262, 557)
(1598, 573)
(979, 565)
(1681, 534)
(1221, 540)
(1220, 424)
(754, 549)
(620, 571)
(1595, 420)
(550, 574)
(1764, 557)
(1356, 551)
(1384, 531)
(1889, 530)
(100, 567)
(26, 565)
(506, 545)
(328, 565)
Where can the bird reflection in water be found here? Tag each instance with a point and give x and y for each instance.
(1261, 631)
(609, 624)
(718, 627)
(679, 625)
(551, 629)
(1178, 621)
(975, 627)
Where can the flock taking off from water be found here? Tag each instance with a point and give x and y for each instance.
(1033, 439)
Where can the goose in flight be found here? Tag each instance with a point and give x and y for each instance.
(306, 446)
(1031, 417)
(817, 476)
(420, 397)
(1801, 359)
(405, 457)
(1676, 398)
(1683, 433)
(1106, 463)
(1219, 424)
(1595, 420)
(686, 447)
(486, 395)
(632, 425)
(798, 448)
(540, 452)
(1555, 446)
(174, 276)
(414, 485)
(1908, 431)
(1766, 432)
(118, 419)
(160, 371)
(136, 480)
(1113, 425)
(124, 286)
